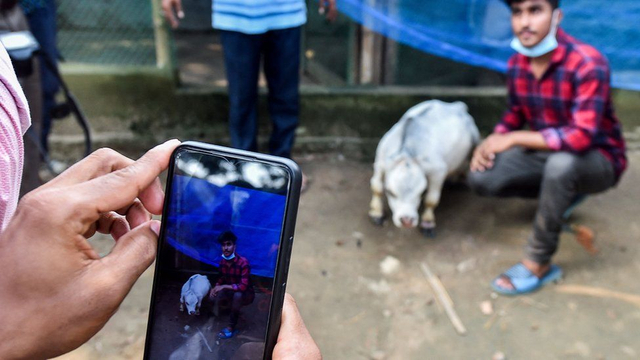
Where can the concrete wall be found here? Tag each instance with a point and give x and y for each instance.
(342, 119)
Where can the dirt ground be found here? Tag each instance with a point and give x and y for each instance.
(354, 310)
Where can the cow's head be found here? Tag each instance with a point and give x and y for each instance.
(191, 300)
(405, 183)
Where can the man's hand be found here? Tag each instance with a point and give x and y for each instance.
(56, 292)
(294, 340)
(173, 12)
(329, 8)
(486, 152)
(214, 292)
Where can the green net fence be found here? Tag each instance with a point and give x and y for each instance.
(106, 32)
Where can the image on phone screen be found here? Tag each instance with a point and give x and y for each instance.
(217, 258)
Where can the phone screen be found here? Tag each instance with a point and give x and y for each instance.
(217, 258)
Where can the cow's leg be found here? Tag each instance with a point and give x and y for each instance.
(376, 208)
(181, 302)
(198, 306)
(431, 201)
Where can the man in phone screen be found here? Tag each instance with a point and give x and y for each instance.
(234, 286)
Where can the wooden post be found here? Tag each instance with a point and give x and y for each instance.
(165, 57)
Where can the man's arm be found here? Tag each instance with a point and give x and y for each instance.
(592, 91)
(244, 279)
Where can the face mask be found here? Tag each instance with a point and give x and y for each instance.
(547, 45)
(230, 257)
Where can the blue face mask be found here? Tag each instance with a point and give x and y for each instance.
(230, 257)
(547, 45)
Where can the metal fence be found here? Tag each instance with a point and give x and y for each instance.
(107, 32)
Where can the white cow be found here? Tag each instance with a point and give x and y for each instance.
(432, 141)
(193, 291)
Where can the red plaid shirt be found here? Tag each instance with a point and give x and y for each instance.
(570, 105)
(235, 272)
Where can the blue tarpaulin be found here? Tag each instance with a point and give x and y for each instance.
(478, 32)
(201, 211)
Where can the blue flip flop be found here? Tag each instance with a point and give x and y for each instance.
(226, 334)
(524, 281)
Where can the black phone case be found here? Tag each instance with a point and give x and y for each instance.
(286, 239)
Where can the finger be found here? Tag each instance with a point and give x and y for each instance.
(178, 6)
(292, 323)
(294, 340)
(132, 255)
(167, 8)
(114, 224)
(483, 162)
(120, 188)
(136, 214)
(98, 163)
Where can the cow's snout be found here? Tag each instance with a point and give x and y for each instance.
(407, 221)
(191, 312)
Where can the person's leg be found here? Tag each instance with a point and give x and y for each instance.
(282, 70)
(42, 22)
(242, 65)
(566, 176)
(236, 305)
(516, 172)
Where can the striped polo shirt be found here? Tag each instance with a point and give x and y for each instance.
(258, 16)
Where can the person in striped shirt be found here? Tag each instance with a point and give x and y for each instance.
(559, 87)
(251, 32)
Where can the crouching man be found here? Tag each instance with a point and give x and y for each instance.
(559, 87)
(233, 289)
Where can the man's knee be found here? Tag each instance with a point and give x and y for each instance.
(560, 166)
(482, 183)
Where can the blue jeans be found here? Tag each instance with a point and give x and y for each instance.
(280, 51)
(42, 22)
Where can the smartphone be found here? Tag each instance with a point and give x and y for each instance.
(223, 254)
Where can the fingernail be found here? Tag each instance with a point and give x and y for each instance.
(181, 14)
(155, 227)
(170, 143)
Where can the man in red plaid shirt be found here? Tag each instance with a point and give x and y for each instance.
(559, 87)
(234, 286)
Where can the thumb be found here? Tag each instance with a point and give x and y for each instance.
(134, 252)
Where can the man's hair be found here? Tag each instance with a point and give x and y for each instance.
(554, 3)
(227, 236)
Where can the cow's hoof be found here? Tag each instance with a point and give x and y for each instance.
(428, 229)
(428, 233)
(377, 220)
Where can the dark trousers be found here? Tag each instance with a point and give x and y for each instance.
(14, 20)
(42, 22)
(280, 52)
(556, 178)
(234, 300)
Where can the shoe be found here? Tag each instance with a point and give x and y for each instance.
(524, 281)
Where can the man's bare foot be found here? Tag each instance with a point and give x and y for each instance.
(537, 269)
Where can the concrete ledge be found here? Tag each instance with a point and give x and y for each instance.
(151, 107)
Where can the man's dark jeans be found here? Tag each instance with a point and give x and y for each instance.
(42, 22)
(280, 52)
(556, 178)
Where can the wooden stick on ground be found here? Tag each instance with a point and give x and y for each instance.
(599, 292)
(443, 298)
